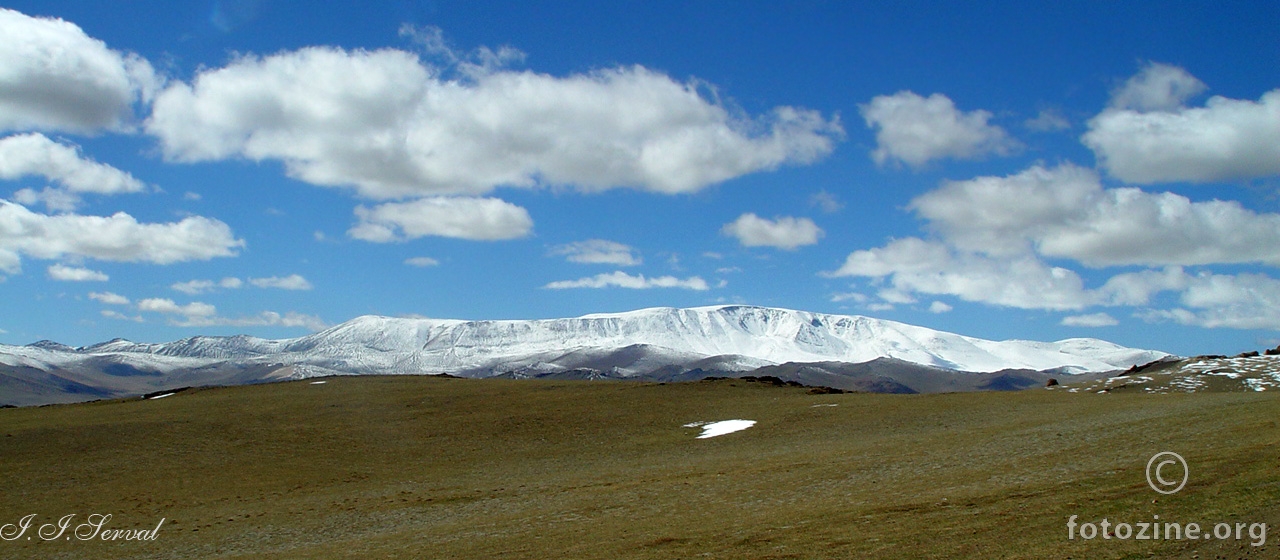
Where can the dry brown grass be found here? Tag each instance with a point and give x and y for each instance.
(419, 467)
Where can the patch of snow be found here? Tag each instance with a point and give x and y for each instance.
(162, 396)
(713, 429)
(318, 382)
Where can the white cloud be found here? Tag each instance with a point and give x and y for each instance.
(1048, 120)
(598, 251)
(896, 296)
(199, 314)
(939, 307)
(290, 282)
(113, 314)
(66, 273)
(55, 200)
(1091, 320)
(479, 219)
(1065, 212)
(1244, 301)
(849, 296)
(1150, 137)
(826, 201)
(1157, 87)
(915, 130)
(475, 64)
(783, 232)
(386, 124)
(1137, 288)
(118, 237)
(263, 319)
(421, 262)
(194, 287)
(109, 298)
(995, 232)
(619, 279)
(34, 154)
(169, 307)
(55, 77)
(913, 265)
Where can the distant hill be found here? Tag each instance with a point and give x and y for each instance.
(1251, 371)
(847, 352)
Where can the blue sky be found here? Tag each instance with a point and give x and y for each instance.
(1001, 170)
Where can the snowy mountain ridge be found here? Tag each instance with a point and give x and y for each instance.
(752, 335)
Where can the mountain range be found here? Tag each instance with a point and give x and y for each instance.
(662, 344)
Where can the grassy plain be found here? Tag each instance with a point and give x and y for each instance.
(424, 467)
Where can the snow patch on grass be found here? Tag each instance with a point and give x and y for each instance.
(713, 429)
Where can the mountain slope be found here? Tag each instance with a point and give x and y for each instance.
(632, 344)
(1251, 372)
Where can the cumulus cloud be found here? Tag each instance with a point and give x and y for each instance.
(199, 314)
(290, 282)
(1091, 320)
(1148, 136)
(109, 298)
(34, 154)
(1137, 288)
(1157, 87)
(480, 219)
(118, 237)
(66, 273)
(54, 200)
(915, 130)
(939, 307)
(783, 232)
(913, 265)
(170, 307)
(55, 77)
(619, 279)
(1244, 301)
(1065, 212)
(390, 126)
(598, 251)
(996, 232)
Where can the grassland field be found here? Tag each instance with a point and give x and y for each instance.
(432, 467)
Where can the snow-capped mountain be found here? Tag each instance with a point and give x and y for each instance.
(638, 343)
